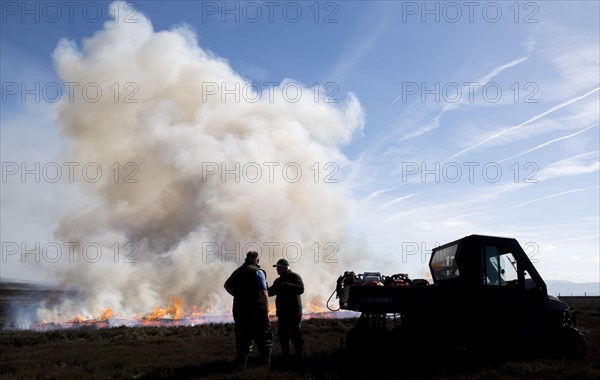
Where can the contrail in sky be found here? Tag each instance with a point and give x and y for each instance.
(536, 117)
(549, 142)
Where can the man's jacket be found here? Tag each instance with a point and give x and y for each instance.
(246, 298)
(287, 290)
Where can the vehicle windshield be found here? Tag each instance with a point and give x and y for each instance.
(443, 263)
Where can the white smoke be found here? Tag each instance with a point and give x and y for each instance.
(175, 135)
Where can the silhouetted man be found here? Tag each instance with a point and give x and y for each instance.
(248, 286)
(287, 289)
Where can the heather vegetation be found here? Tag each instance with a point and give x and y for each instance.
(207, 352)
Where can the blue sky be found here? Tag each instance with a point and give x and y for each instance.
(480, 118)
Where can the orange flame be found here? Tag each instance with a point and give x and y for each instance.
(175, 310)
(106, 314)
(272, 309)
(78, 319)
(195, 312)
(316, 309)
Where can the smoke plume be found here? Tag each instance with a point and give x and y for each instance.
(192, 177)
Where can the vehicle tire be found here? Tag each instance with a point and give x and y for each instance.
(572, 342)
(357, 338)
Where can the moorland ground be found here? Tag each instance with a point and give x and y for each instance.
(207, 352)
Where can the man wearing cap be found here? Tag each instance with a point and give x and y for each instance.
(248, 286)
(287, 289)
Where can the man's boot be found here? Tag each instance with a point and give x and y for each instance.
(265, 356)
(241, 362)
(242, 357)
(298, 345)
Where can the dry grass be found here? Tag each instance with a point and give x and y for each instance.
(207, 352)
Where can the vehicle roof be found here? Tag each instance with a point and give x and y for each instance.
(474, 239)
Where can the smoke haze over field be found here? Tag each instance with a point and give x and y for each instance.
(173, 202)
(141, 159)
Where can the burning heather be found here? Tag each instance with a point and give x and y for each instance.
(175, 310)
(193, 177)
(175, 314)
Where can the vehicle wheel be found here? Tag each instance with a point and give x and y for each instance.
(356, 338)
(572, 342)
(365, 340)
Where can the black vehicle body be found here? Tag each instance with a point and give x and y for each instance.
(485, 293)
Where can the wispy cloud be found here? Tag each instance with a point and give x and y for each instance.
(395, 201)
(375, 194)
(572, 166)
(579, 164)
(490, 211)
(359, 49)
(448, 106)
(548, 143)
(483, 80)
(531, 120)
(498, 70)
(552, 196)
